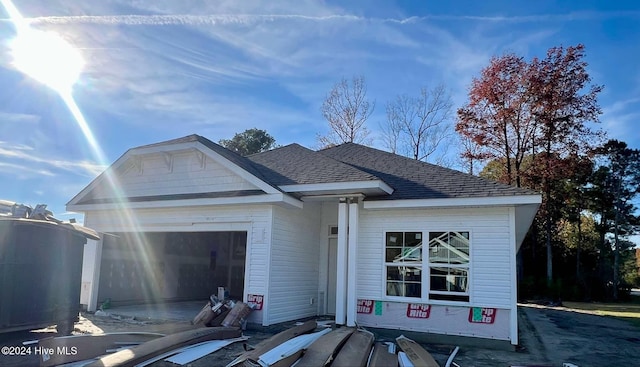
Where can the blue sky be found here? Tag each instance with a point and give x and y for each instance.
(161, 69)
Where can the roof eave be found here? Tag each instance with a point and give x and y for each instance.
(368, 188)
(454, 202)
(277, 198)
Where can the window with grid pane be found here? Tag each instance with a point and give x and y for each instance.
(449, 266)
(403, 259)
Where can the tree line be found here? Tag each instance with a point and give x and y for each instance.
(531, 124)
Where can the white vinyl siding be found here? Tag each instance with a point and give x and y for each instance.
(490, 277)
(176, 173)
(295, 249)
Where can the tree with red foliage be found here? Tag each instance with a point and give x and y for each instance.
(538, 109)
(561, 106)
(498, 117)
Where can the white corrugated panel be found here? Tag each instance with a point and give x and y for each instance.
(290, 347)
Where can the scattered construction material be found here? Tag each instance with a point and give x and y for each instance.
(148, 350)
(322, 351)
(382, 357)
(204, 316)
(82, 347)
(237, 316)
(451, 357)
(355, 351)
(418, 355)
(285, 354)
(191, 353)
(403, 360)
(274, 341)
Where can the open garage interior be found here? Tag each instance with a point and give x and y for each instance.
(146, 267)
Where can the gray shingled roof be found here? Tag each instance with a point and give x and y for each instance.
(294, 164)
(412, 179)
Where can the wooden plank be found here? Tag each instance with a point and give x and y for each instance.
(288, 361)
(381, 357)
(81, 347)
(294, 346)
(142, 352)
(323, 350)
(417, 355)
(355, 351)
(204, 316)
(274, 341)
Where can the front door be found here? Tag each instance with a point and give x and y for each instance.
(331, 281)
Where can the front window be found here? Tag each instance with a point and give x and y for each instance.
(449, 266)
(446, 261)
(403, 258)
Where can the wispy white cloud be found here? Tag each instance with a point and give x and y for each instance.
(17, 118)
(21, 171)
(28, 155)
(253, 19)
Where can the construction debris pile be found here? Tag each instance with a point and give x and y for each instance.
(14, 210)
(223, 312)
(41, 215)
(219, 324)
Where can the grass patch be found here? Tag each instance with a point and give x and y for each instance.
(628, 311)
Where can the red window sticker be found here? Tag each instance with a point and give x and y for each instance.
(256, 301)
(418, 311)
(365, 306)
(478, 315)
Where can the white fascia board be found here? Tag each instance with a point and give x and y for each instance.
(354, 186)
(454, 202)
(238, 170)
(240, 200)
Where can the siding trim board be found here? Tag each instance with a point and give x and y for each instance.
(514, 278)
(278, 198)
(453, 202)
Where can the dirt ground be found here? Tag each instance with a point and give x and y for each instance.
(548, 337)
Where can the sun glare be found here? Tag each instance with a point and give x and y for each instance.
(47, 58)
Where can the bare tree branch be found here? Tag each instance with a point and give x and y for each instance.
(347, 108)
(418, 126)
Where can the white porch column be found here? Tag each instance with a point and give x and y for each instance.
(341, 263)
(352, 296)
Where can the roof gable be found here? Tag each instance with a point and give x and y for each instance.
(188, 167)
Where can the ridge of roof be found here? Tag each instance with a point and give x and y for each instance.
(413, 179)
(294, 164)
